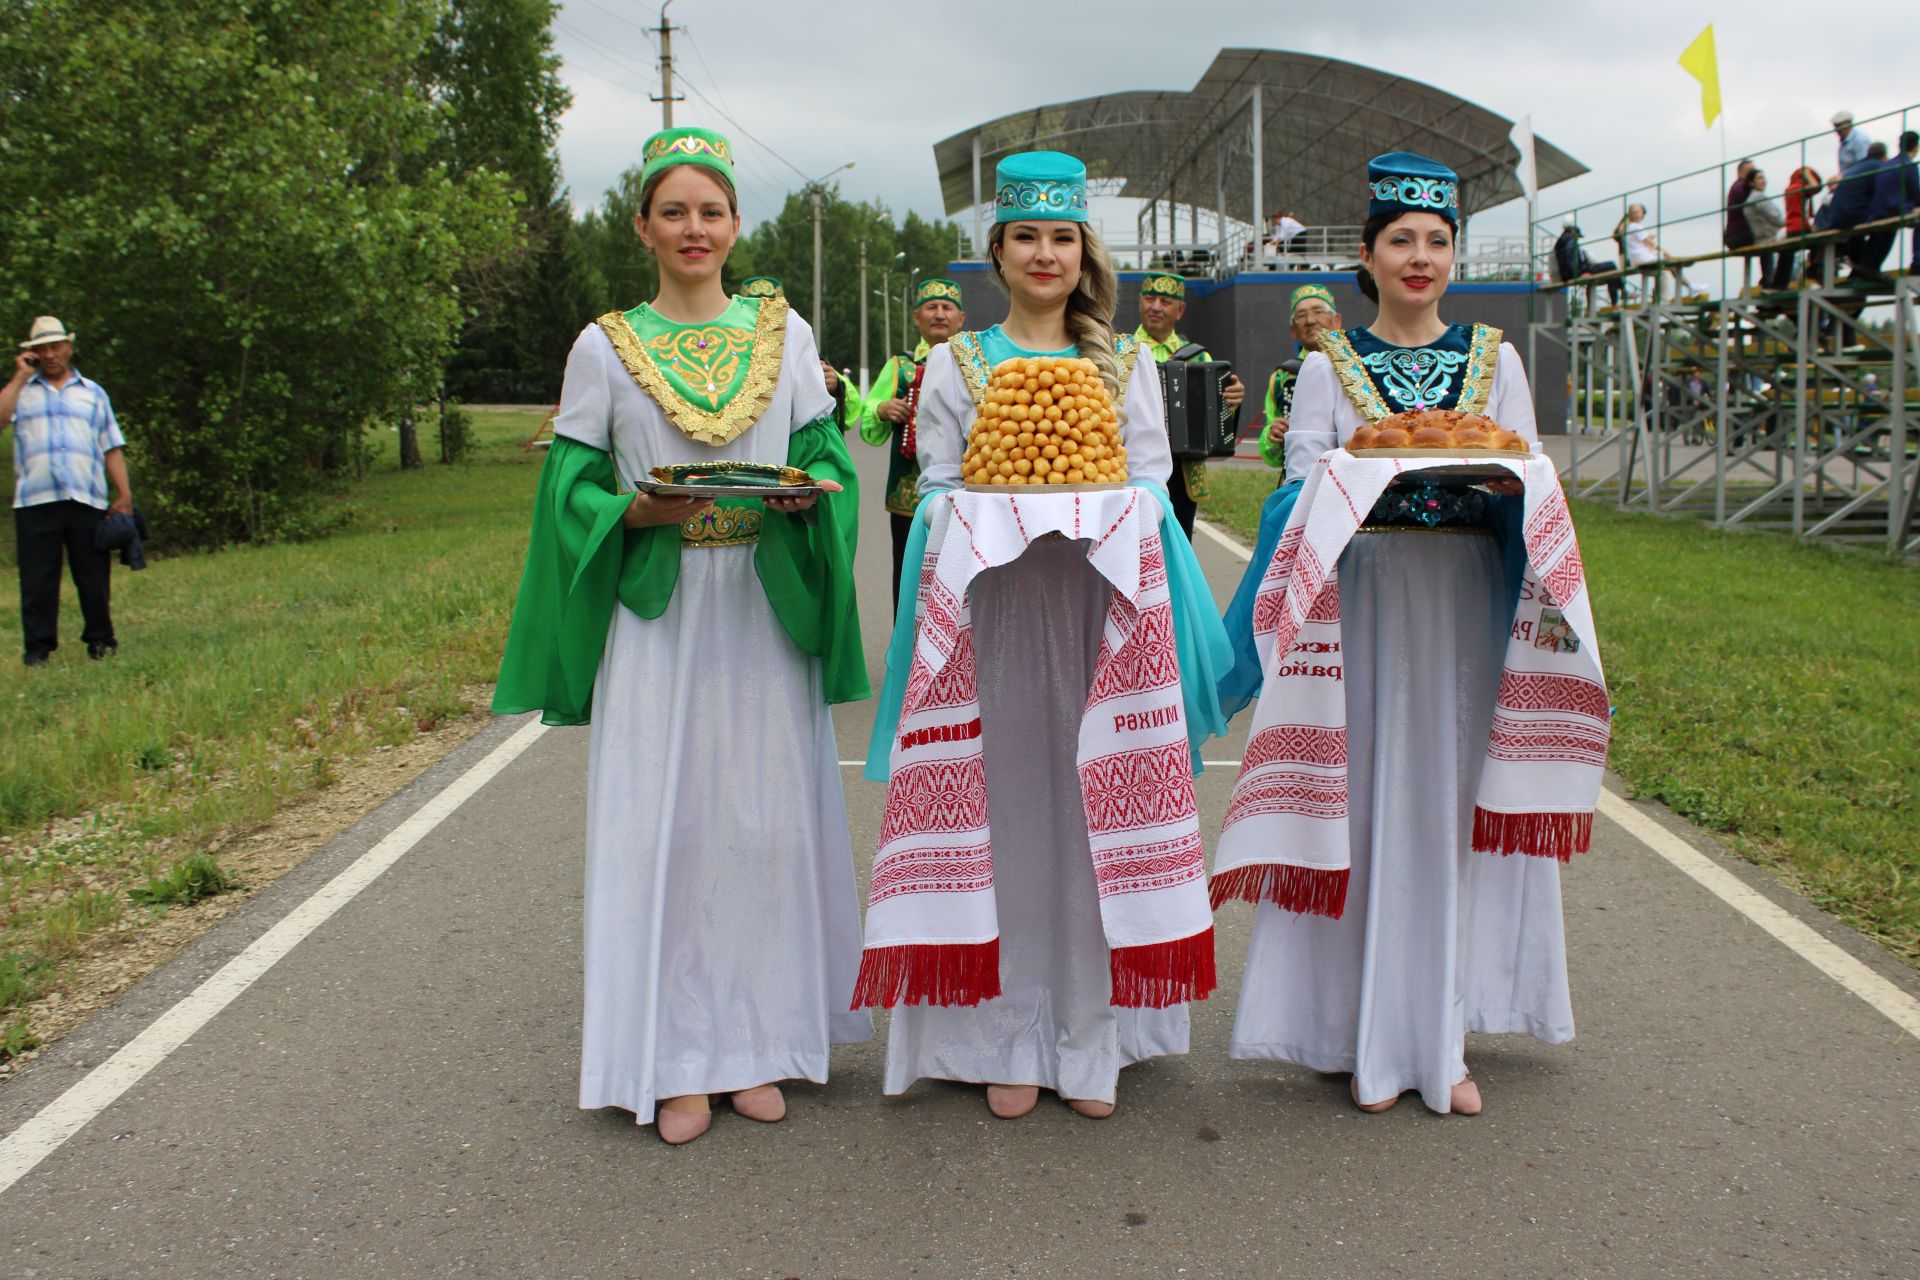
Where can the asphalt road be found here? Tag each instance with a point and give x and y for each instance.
(395, 1097)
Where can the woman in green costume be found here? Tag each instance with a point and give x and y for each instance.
(704, 642)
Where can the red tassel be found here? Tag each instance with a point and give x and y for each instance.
(949, 974)
(1307, 890)
(1543, 835)
(1164, 973)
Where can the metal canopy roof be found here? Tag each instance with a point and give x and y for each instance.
(1321, 120)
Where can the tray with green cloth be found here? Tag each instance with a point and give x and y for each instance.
(729, 480)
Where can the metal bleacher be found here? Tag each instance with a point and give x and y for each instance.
(1796, 409)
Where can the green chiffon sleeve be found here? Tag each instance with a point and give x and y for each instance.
(805, 563)
(580, 559)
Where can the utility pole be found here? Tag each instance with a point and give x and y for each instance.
(863, 316)
(819, 325)
(665, 97)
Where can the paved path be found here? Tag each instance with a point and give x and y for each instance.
(395, 1097)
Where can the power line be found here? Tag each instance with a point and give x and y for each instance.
(648, 31)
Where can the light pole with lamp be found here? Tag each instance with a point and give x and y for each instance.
(863, 311)
(815, 190)
(906, 304)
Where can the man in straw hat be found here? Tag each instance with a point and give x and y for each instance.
(1163, 301)
(66, 446)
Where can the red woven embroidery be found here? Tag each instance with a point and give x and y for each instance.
(1547, 740)
(1149, 659)
(1130, 790)
(948, 871)
(1310, 795)
(1295, 744)
(935, 795)
(1537, 691)
(1147, 867)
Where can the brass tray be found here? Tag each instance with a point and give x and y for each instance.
(729, 480)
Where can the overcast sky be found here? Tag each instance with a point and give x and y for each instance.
(879, 83)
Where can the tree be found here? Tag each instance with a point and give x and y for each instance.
(491, 64)
(238, 209)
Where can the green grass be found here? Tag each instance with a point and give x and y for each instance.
(187, 881)
(1766, 690)
(244, 677)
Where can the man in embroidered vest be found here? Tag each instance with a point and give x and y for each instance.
(1312, 309)
(887, 417)
(1163, 301)
(66, 446)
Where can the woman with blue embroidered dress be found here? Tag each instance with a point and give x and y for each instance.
(1037, 626)
(1435, 940)
(704, 642)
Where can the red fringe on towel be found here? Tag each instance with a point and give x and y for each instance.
(1164, 973)
(1306, 890)
(950, 974)
(1544, 835)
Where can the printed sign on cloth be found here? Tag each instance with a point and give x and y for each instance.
(1286, 837)
(932, 929)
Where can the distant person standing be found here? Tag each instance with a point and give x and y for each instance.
(1287, 231)
(1738, 233)
(1312, 311)
(1163, 301)
(66, 447)
(1853, 143)
(1573, 263)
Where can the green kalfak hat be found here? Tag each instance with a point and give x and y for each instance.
(1165, 284)
(761, 287)
(686, 146)
(1040, 186)
(1306, 291)
(938, 291)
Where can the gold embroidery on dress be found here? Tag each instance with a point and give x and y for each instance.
(1127, 355)
(721, 527)
(1483, 357)
(1353, 375)
(972, 359)
(708, 426)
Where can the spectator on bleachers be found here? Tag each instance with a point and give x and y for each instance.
(1896, 193)
(1852, 204)
(1642, 248)
(1765, 219)
(1572, 261)
(1738, 235)
(1853, 143)
(1802, 188)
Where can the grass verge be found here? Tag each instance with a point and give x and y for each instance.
(244, 678)
(1765, 690)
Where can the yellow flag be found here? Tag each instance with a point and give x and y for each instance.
(1699, 62)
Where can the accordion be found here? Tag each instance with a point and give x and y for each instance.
(1199, 423)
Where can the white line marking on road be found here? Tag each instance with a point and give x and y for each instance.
(66, 1115)
(1857, 978)
(1897, 1005)
(1242, 553)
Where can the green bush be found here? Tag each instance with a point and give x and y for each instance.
(186, 881)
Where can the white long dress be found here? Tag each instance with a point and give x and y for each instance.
(722, 922)
(1436, 940)
(1036, 627)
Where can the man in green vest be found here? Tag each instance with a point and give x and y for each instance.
(1312, 311)
(887, 417)
(1163, 300)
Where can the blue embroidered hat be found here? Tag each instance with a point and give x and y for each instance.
(1040, 186)
(1402, 182)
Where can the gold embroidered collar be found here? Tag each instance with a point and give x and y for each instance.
(1476, 390)
(731, 420)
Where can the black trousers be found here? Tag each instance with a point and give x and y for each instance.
(1184, 507)
(902, 526)
(43, 534)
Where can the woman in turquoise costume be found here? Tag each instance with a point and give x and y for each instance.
(1436, 940)
(704, 642)
(1037, 626)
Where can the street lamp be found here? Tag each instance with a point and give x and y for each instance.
(906, 304)
(815, 190)
(863, 307)
(886, 295)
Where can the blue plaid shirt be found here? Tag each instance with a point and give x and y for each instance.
(60, 442)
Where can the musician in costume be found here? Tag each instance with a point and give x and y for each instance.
(704, 642)
(1310, 310)
(1036, 632)
(886, 417)
(1163, 302)
(1436, 940)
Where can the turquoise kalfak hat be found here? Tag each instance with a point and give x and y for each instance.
(1402, 182)
(1040, 186)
